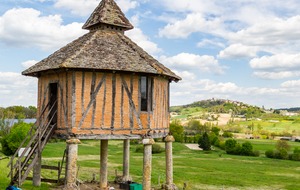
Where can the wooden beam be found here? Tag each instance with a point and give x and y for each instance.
(103, 106)
(82, 92)
(131, 102)
(67, 102)
(91, 96)
(130, 108)
(113, 100)
(73, 105)
(44, 180)
(92, 100)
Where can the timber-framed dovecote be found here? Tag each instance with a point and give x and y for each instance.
(107, 87)
(101, 86)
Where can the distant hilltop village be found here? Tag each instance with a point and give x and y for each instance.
(225, 101)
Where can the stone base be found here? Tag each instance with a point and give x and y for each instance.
(71, 187)
(121, 178)
(169, 187)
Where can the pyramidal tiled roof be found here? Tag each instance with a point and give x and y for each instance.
(109, 13)
(102, 49)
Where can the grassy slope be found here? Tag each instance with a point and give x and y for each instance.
(200, 171)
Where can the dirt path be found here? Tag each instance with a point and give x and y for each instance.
(193, 146)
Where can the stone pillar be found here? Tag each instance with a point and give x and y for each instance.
(71, 178)
(169, 164)
(103, 164)
(147, 163)
(36, 177)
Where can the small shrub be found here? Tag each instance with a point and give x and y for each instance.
(213, 142)
(296, 156)
(256, 153)
(134, 141)
(177, 137)
(227, 134)
(237, 149)
(222, 145)
(283, 154)
(217, 142)
(139, 149)
(156, 148)
(269, 154)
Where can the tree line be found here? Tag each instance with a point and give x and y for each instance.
(18, 112)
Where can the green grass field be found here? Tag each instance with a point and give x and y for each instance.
(274, 127)
(198, 170)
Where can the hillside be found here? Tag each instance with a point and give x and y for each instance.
(218, 106)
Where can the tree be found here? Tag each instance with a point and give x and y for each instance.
(204, 142)
(246, 148)
(216, 130)
(282, 144)
(229, 145)
(176, 129)
(176, 121)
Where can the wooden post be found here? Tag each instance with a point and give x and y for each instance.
(12, 171)
(19, 180)
(58, 173)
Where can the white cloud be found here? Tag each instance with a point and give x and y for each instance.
(274, 32)
(238, 51)
(206, 43)
(194, 22)
(25, 27)
(276, 75)
(16, 89)
(28, 64)
(185, 75)
(86, 7)
(196, 63)
(279, 62)
(142, 40)
(290, 84)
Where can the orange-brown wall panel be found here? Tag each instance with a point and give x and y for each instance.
(87, 93)
(126, 124)
(108, 102)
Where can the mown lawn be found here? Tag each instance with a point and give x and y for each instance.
(198, 170)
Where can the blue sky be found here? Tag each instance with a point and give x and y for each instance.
(243, 50)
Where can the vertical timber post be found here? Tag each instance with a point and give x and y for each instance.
(36, 177)
(103, 164)
(126, 147)
(147, 163)
(169, 164)
(72, 146)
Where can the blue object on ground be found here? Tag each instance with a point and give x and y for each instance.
(12, 188)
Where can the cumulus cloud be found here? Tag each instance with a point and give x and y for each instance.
(28, 64)
(274, 32)
(279, 62)
(201, 64)
(16, 89)
(144, 41)
(194, 22)
(86, 7)
(238, 51)
(25, 27)
(290, 84)
(276, 75)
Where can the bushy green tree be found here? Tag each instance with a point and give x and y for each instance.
(247, 148)
(296, 155)
(229, 145)
(15, 138)
(177, 137)
(269, 154)
(227, 134)
(176, 129)
(216, 130)
(204, 142)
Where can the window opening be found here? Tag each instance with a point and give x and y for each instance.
(146, 95)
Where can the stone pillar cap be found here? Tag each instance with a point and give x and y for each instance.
(169, 138)
(73, 141)
(148, 141)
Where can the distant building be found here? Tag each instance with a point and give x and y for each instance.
(290, 114)
(258, 119)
